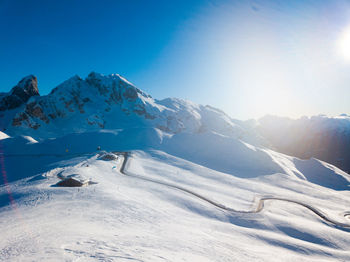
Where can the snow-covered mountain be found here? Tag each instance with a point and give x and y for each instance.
(322, 137)
(156, 180)
(25, 89)
(111, 102)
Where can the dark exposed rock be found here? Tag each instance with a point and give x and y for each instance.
(18, 120)
(101, 125)
(115, 95)
(20, 94)
(34, 126)
(108, 157)
(130, 93)
(71, 182)
(86, 99)
(89, 122)
(140, 110)
(34, 110)
(77, 96)
(52, 116)
(67, 105)
(26, 88)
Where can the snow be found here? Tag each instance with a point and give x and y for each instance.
(3, 135)
(323, 137)
(164, 180)
(111, 102)
(127, 218)
(209, 149)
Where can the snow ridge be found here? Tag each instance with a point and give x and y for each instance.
(111, 102)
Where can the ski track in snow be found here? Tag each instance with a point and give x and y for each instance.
(259, 204)
(92, 248)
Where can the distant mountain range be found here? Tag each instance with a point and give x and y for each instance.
(108, 102)
(111, 102)
(322, 137)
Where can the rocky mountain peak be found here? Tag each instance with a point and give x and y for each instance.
(104, 102)
(20, 94)
(27, 87)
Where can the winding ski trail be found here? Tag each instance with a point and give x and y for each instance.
(259, 206)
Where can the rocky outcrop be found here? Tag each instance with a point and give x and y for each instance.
(20, 94)
(102, 102)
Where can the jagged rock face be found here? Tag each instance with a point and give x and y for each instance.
(26, 88)
(106, 102)
(20, 94)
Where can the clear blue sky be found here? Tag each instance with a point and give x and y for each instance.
(248, 58)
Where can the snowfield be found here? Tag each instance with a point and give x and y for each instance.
(130, 214)
(98, 170)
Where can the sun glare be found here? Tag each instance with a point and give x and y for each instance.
(344, 44)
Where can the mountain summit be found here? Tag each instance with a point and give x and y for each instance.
(107, 102)
(20, 94)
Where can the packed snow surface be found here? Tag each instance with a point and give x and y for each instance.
(133, 215)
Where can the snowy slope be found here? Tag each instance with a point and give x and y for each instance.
(124, 218)
(195, 184)
(209, 149)
(322, 137)
(3, 135)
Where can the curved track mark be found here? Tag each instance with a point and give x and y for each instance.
(259, 206)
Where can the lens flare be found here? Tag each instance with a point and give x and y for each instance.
(344, 44)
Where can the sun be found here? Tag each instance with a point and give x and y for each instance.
(344, 44)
